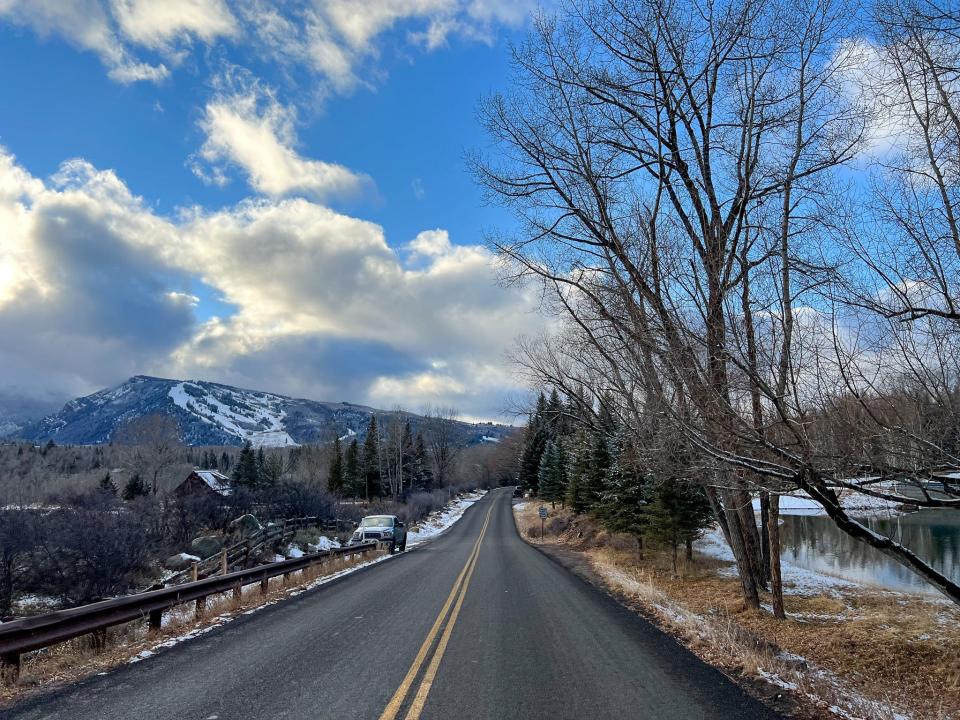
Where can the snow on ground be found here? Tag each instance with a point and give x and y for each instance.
(439, 521)
(796, 580)
(800, 503)
(261, 423)
(324, 543)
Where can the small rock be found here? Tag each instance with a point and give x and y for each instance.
(908, 508)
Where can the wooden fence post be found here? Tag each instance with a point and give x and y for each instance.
(237, 593)
(194, 572)
(265, 586)
(223, 562)
(10, 665)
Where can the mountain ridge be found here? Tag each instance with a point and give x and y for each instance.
(209, 413)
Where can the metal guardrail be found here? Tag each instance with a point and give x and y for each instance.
(33, 633)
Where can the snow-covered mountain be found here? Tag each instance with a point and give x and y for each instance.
(213, 414)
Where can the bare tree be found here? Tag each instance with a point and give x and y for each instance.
(440, 433)
(155, 445)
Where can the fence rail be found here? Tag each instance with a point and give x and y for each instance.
(241, 550)
(33, 633)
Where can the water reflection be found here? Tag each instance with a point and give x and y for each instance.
(814, 542)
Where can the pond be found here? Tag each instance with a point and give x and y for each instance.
(815, 543)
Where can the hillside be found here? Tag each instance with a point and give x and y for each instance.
(213, 414)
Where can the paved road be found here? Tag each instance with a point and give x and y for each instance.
(477, 624)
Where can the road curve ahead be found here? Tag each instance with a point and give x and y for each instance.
(477, 624)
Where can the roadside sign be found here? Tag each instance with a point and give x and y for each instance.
(543, 512)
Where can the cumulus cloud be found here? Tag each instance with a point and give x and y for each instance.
(96, 287)
(247, 127)
(157, 25)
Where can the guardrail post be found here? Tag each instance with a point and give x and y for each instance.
(156, 616)
(265, 586)
(98, 639)
(10, 665)
(237, 593)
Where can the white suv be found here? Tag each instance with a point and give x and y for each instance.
(381, 528)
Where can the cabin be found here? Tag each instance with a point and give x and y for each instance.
(204, 482)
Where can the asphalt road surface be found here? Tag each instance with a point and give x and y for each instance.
(476, 624)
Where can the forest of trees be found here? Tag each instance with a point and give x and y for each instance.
(744, 216)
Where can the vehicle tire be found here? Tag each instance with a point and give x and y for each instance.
(404, 546)
(393, 546)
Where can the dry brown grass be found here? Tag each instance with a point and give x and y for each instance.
(79, 658)
(866, 651)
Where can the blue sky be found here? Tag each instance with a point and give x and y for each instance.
(270, 195)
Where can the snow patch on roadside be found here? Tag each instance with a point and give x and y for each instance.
(440, 521)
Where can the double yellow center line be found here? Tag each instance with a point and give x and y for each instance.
(455, 599)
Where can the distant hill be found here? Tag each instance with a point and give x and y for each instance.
(213, 414)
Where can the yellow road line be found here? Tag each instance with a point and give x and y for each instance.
(393, 707)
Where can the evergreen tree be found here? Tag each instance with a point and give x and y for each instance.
(247, 471)
(213, 461)
(406, 456)
(225, 461)
(107, 485)
(261, 461)
(556, 418)
(594, 483)
(535, 440)
(622, 507)
(335, 477)
(353, 481)
(422, 475)
(677, 512)
(552, 474)
(135, 487)
(371, 460)
(582, 457)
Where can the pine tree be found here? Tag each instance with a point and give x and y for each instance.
(622, 507)
(422, 476)
(552, 474)
(107, 485)
(335, 477)
(677, 512)
(261, 461)
(582, 456)
(595, 480)
(134, 488)
(535, 440)
(371, 460)
(225, 461)
(213, 461)
(247, 471)
(352, 471)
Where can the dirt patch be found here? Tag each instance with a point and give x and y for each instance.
(866, 652)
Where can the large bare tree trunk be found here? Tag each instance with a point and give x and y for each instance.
(773, 535)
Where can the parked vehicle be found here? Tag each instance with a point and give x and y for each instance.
(381, 528)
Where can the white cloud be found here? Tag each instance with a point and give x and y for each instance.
(87, 25)
(248, 128)
(325, 308)
(156, 25)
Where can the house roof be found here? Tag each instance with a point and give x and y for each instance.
(215, 480)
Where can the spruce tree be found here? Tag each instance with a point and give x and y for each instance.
(134, 488)
(582, 457)
(595, 480)
(420, 468)
(535, 440)
(623, 505)
(107, 485)
(677, 513)
(247, 471)
(371, 460)
(335, 476)
(352, 474)
(552, 473)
